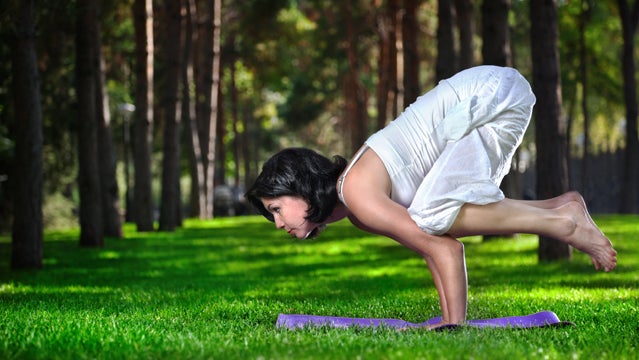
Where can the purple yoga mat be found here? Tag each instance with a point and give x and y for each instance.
(540, 319)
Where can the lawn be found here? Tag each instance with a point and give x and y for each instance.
(213, 290)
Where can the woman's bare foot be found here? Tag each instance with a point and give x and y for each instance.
(575, 196)
(584, 235)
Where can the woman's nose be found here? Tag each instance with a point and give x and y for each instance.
(279, 223)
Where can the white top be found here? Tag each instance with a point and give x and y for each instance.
(455, 143)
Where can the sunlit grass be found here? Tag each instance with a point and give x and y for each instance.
(213, 289)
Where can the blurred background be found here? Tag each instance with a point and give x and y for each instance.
(154, 111)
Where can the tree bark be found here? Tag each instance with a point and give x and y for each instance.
(250, 149)
(410, 32)
(466, 26)
(111, 217)
(234, 107)
(496, 51)
(583, 71)
(394, 106)
(354, 92)
(196, 166)
(91, 227)
(203, 60)
(446, 55)
(630, 190)
(495, 32)
(552, 172)
(213, 105)
(143, 122)
(170, 197)
(387, 68)
(220, 135)
(26, 236)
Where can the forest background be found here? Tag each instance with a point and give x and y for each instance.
(152, 111)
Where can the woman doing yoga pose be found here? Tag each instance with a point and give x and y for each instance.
(431, 176)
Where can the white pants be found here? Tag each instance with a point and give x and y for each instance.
(455, 144)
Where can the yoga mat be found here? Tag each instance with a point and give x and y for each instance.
(540, 319)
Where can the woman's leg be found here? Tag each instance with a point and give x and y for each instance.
(564, 218)
(561, 200)
(557, 201)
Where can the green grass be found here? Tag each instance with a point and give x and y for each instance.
(214, 290)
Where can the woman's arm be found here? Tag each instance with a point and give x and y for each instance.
(366, 190)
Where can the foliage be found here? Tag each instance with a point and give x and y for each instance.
(290, 56)
(605, 99)
(214, 289)
(59, 212)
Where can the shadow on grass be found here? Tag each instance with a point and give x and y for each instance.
(231, 260)
(494, 265)
(245, 258)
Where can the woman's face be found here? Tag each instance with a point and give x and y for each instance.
(289, 213)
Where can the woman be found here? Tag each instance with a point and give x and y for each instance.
(431, 176)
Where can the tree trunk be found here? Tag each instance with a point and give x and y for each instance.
(394, 13)
(552, 174)
(170, 201)
(446, 55)
(111, 217)
(466, 26)
(213, 106)
(387, 68)
(220, 135)
(249, 148)
(26, 236)
(354, 91)
(496, 51)
(196, 166)
(583, 70)
(233, 95)
(203, 60)
(410, 32)
(126, 110)
(495, 32)
(630, 190)
(91, 227)
(143, 122)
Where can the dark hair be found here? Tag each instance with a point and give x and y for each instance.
(299, 172)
